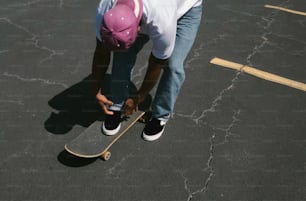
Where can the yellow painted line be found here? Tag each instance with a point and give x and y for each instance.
(286, 10)
(259, 73)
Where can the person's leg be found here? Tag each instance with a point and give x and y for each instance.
(173, 75)
(123, 63)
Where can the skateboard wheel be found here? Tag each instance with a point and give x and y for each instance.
(106, 155)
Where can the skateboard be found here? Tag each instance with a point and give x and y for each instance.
(93, 143)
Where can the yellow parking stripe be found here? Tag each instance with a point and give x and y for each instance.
(259, 73)
(286, 10)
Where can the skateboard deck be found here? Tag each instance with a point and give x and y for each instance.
(93, 143)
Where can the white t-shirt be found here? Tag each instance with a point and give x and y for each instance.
(159, 21)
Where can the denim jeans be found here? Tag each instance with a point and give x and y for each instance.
(173, 74)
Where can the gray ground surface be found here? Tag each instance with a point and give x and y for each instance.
(232, 136)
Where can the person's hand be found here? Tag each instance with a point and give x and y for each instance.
(104, 103)
(131, 106)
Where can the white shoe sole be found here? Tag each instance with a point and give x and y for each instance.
(151, 138)
(110, 132)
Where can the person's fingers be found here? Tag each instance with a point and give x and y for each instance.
(104, 103)
(130, 107)
(136, 108)
(107, 102)
(106, 110)
(127, 110)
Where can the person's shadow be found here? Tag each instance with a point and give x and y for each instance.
(77, 106)
(74, 106)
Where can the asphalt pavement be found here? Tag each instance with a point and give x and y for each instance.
(232, 136)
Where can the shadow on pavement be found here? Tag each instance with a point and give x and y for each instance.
(75, 106)
(78, 106)
(73, 161)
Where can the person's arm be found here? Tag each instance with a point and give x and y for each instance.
(152, 76)
(101, 61)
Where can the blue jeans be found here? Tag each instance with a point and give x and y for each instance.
(173, 74)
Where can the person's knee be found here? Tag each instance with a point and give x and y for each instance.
(177, 71)
(181, 76)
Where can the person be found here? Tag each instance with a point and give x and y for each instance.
(123, 27)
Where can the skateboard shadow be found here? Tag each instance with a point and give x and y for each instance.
(77, 106)
(70, 160)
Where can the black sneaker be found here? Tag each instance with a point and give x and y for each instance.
(112, 123)
(153, 129)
